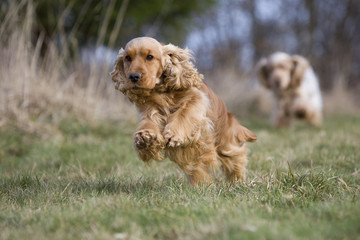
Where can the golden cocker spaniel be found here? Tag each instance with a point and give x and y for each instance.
(180, 116)
(295, 88)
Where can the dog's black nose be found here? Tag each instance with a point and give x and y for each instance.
(277, 83)
(134, 77)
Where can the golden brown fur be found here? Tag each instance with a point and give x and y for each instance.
(180, 116)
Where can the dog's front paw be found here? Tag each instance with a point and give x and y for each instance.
(144, 138)
(172, 140)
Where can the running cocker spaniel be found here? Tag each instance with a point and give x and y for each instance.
(181, 118)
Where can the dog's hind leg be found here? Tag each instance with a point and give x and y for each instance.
(196, 161)
(233, 162)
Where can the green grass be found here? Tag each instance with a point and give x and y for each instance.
(85, 181)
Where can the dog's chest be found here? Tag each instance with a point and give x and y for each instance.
(287, 95)
(159, 104)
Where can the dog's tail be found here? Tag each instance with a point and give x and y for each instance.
(242, 134)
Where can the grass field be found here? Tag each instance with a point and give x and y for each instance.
(84, 181)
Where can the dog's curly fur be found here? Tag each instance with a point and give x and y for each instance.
(180, 116)
(295, 88)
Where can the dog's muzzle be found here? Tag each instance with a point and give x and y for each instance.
(134, 77)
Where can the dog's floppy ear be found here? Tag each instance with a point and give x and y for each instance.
(118, 74)
(300, 64)
(263, 72)
(179, 71)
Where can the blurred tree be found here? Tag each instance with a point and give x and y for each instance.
(112, 22)
(329, 36)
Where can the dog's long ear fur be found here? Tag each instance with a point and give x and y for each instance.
(263, 73)
(300, 64)
(179, 71)
(118, 73)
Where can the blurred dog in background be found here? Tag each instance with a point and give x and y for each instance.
(295, 88)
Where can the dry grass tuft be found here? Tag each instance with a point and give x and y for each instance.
(240, 91)
(35, 90)
(340, 100)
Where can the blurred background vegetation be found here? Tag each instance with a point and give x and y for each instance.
(56, 55)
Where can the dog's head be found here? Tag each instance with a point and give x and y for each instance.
(281, 71)
(147, 64)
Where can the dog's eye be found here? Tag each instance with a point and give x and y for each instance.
(149, 57)
(128, 58)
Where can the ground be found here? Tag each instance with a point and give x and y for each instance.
(84, 181)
